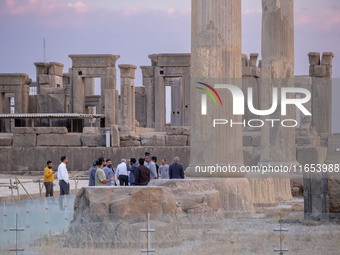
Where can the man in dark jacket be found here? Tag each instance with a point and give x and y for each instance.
(176, 170)
(132, 169)
(142, 176)
(93, 170)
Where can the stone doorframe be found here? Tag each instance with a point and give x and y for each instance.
(95, 66)
(13, 85)
(166, 66)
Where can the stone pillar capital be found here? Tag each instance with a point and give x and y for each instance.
(127, 71)
(147, 71)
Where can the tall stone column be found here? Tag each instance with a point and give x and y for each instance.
(89, 87)
(160, 113)
(277, 143)
(321, 73)
(149, 95)
(215, 59)
(127, 94)
(2, 103)
(78, 92)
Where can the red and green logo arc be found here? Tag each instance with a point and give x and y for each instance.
(209, 93)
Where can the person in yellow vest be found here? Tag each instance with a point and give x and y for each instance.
(48, 179)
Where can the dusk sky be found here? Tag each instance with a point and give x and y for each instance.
(135, 28)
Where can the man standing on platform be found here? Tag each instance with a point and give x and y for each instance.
(109, 172)
(122, 174)
(64, 182)
(142, 177)
(176, 170)
(101, 179)
(151, 165)
(48, 179)
(164, 169)
(92, 171)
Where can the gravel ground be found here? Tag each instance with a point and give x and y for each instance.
(240, 235)
(235, 235)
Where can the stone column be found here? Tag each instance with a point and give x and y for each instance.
(277, 143)
(215, 59)
(160, 114)
(321, 73)
(116, 104)
(149, 95)
(2, 103)
(78, 92)
(186, 88)
(127, 94)
(110, 109)
(89, 87)
(251, 74)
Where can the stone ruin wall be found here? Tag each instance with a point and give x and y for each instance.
(56, 94)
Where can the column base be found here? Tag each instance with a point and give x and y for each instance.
(263, 190)
(282, 189)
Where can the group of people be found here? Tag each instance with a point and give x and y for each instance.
(128, 173)
(133, 173)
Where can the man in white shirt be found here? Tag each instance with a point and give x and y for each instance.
(151, 165)
(122, 173)
(64, 181)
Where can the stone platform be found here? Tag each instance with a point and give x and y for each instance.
(226, 195)
(113, 216)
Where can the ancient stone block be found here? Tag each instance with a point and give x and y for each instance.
(123, 210)
(130, 137)
(314, 58)
(247, 140)
(334, 193)
(45, 79)
(327, 58)
(253, 59)
(257, 72)
(329, 71)
(262, 190)
(176, 140)
(232, 200)
(319, 71)
(311, 155)
(244, 60)
(115, 139)
(92, 140)
(40, 130)
(193, 196)
(90, 130)
(156, 139)
(173, 130)
(311, 71)
(131, 143)
(247, 71)
(24, 140)
(247, 154)
(256, 141)
(73, 139)
(6, 139)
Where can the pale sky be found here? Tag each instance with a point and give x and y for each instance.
(134, 29)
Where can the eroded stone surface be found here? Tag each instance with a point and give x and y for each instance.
(113, 216)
